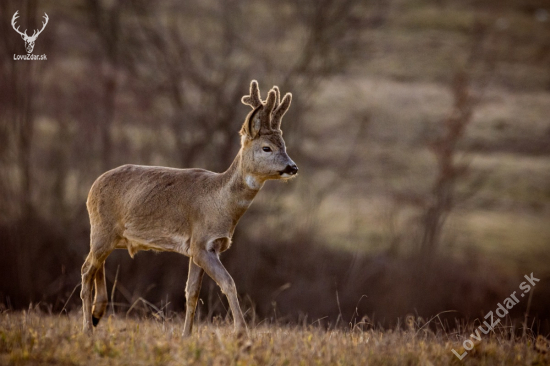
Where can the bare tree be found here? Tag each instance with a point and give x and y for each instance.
(479, 68)
(106, 21)
(206, 59)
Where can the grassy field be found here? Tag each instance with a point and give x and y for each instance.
(33, 338)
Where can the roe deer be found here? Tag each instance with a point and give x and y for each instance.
(189, 211)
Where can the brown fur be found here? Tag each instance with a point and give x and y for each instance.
(189, 211)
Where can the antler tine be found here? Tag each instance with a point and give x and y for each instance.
(271, 101)
(254, 100)
(279, 112)
(13, 19)
(43, 25)
(269, 107)
(277, 101)
(277, 96)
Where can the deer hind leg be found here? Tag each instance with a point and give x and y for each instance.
(211, 264)
(101, 299)
(89, 269)
(192, 291)
(99, 251)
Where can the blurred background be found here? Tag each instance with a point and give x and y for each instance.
(421, 129)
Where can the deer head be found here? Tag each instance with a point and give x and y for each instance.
(262, 138)
(29, 41)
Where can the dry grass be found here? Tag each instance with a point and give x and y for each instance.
(32, 338)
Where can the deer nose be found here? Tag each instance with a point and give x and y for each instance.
(291, 169)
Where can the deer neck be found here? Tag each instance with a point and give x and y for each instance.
(241, 185)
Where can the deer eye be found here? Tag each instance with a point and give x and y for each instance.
(266, 148)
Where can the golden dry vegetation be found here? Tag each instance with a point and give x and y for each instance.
(35, 338)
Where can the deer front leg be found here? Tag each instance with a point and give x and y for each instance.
(211, 264)
(192, 291)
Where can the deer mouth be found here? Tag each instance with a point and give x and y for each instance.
(286, 175)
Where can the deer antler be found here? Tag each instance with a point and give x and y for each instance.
(24, 34)
(15, 16)
(253, 99)
(34, 36)
(279, 109)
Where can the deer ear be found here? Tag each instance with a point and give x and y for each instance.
(252, 124)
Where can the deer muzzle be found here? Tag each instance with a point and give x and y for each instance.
(289, 171)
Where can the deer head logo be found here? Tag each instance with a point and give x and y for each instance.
(29, 41)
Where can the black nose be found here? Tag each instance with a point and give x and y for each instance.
(291, 169)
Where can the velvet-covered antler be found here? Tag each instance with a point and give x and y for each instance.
(279, 107)
(259, 120)
(254, 100)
